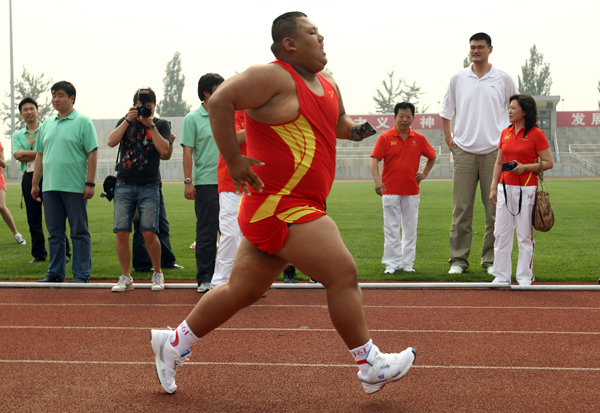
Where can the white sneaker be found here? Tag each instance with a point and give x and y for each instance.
(19, 238)
(455, 269)
(408, 269)
(386, 368)
(204, 287)
(167, 359)
(498, 280)
(389, 270)
(490, 270)
(158, 281)
(125, 284)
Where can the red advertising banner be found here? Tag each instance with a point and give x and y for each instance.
(577, 119)
(387, 122)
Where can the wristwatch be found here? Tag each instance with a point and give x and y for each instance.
(153, 126)
(92, 184)
(187, 181)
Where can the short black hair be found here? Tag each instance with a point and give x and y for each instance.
(27, 100)
(404, 105)
(207, 82)
(67, 87)
(482, 36)
(149, 97)
(528, 105)
(284, 26)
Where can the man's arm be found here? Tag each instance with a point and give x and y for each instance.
(23, 155)
(422, 175)
(88, 191)
(447, 127)
(379, 188)
(117, 134)
(37, 175)
(169, 153)
(262, 90)
(188, 162)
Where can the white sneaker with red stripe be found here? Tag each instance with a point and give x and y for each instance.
(385, 368)
(167, 359)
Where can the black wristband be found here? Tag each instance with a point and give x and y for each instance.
(92, 184)
(127, 120)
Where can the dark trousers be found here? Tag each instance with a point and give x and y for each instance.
(207, 225)
(139, 256)
(35, 219)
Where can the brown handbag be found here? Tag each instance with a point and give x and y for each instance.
(543, 216)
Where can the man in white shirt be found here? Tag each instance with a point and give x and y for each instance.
(479, 94)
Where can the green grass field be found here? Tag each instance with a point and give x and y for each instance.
(570, 252)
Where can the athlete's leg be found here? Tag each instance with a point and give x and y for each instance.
(317, 249)
(252, 274)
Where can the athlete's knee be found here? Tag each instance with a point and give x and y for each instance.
(343, 274)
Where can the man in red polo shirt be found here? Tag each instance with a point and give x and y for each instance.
(401, 149)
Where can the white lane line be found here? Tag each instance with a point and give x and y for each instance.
(325, 330)
(445, 307)
(207, 363)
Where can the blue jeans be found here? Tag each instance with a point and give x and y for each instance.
(145, 198)
(58, 207)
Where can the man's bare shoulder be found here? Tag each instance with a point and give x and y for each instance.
(271, 73)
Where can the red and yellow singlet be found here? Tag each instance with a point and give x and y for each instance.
(299, 168)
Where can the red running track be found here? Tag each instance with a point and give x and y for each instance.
(484, 350)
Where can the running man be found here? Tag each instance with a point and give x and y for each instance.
(294, 113)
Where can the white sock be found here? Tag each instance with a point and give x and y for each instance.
(360, 355)
(183, 338)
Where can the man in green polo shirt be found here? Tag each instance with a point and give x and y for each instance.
(201, 154)
(23, 141)
(67, 154)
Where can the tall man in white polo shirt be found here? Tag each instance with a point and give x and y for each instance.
(479, 94)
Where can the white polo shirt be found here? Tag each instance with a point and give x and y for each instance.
(481, 108)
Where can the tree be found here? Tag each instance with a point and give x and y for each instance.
(536, 79)
(396, 91)
(467, 62)
(35, 87)
(173, 103)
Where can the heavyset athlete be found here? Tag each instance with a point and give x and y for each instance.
(294, 114)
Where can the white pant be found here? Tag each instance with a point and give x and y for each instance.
(400, 212)
(504, 233)
(230, 236)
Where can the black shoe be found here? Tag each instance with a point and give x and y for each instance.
(289, 275)
(37, 260)
(79, 281)
(49, 279)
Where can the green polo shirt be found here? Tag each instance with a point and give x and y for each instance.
(21, 138)
(197, 134)
(65, 144)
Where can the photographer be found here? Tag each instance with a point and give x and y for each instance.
(143, 140)
(514, 188)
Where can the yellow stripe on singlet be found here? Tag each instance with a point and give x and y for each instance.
(528, 178)
(294, 214)
(301, 140)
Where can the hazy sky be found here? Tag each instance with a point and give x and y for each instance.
(109, 48)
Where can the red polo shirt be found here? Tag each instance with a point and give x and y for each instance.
(401, 160)
(523, 149)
